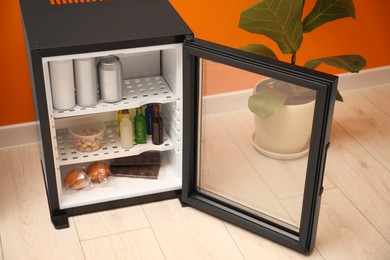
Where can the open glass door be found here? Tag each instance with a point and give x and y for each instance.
(254, 155)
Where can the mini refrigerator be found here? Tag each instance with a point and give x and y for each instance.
(215, 155)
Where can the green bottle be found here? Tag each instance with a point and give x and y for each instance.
(139, 127)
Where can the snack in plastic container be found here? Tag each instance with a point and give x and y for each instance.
(98, 172)
(77, 179)
(87, 135)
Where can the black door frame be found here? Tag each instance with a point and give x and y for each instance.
(326, 88)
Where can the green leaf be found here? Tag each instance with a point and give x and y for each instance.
(278, 20)
(259, 49)
(265, 103)
(351, 63)
(326, 11)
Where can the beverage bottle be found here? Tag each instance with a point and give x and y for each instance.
(139, 127)
(148, 117)
(126, 130)
(157, 126)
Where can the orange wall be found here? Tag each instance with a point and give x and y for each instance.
(212, 20)
(16, 105)
(368, 35)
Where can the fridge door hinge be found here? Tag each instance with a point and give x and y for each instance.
(189, 38)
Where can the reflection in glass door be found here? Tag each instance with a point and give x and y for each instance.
(253, 142)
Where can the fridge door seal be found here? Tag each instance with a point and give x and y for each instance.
(325, 86)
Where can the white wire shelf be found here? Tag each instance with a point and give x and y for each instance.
(111, 147)
(136, 92)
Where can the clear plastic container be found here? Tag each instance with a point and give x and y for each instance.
(88, 135)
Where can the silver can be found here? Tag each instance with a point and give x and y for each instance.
(110, 79)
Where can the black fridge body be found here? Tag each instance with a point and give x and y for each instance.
(163, 63)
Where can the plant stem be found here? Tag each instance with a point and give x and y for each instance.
(293, 58)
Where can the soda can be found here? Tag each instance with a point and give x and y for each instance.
(110, 79)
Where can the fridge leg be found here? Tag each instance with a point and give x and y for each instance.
(183, 204)
(60, 221)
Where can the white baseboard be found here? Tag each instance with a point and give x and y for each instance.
(25, 133)
(364, 79)
(18, 134)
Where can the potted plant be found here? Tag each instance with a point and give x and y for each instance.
(282, 21)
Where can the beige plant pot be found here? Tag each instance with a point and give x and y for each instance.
(286, 134)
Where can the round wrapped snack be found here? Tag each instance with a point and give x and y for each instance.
(98, 172)
(77, 179)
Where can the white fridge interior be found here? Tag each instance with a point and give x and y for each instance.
(151, 75)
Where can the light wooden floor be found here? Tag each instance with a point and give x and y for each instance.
(354, 220)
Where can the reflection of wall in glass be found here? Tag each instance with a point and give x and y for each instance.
(221, 78)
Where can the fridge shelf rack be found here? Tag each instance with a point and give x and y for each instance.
(111, 147)
(136, 92)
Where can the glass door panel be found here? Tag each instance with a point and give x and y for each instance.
(256, 161)
(255, 136)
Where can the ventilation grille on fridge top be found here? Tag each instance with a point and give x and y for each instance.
(65, 2)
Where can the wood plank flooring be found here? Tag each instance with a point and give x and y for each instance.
(354, 216)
